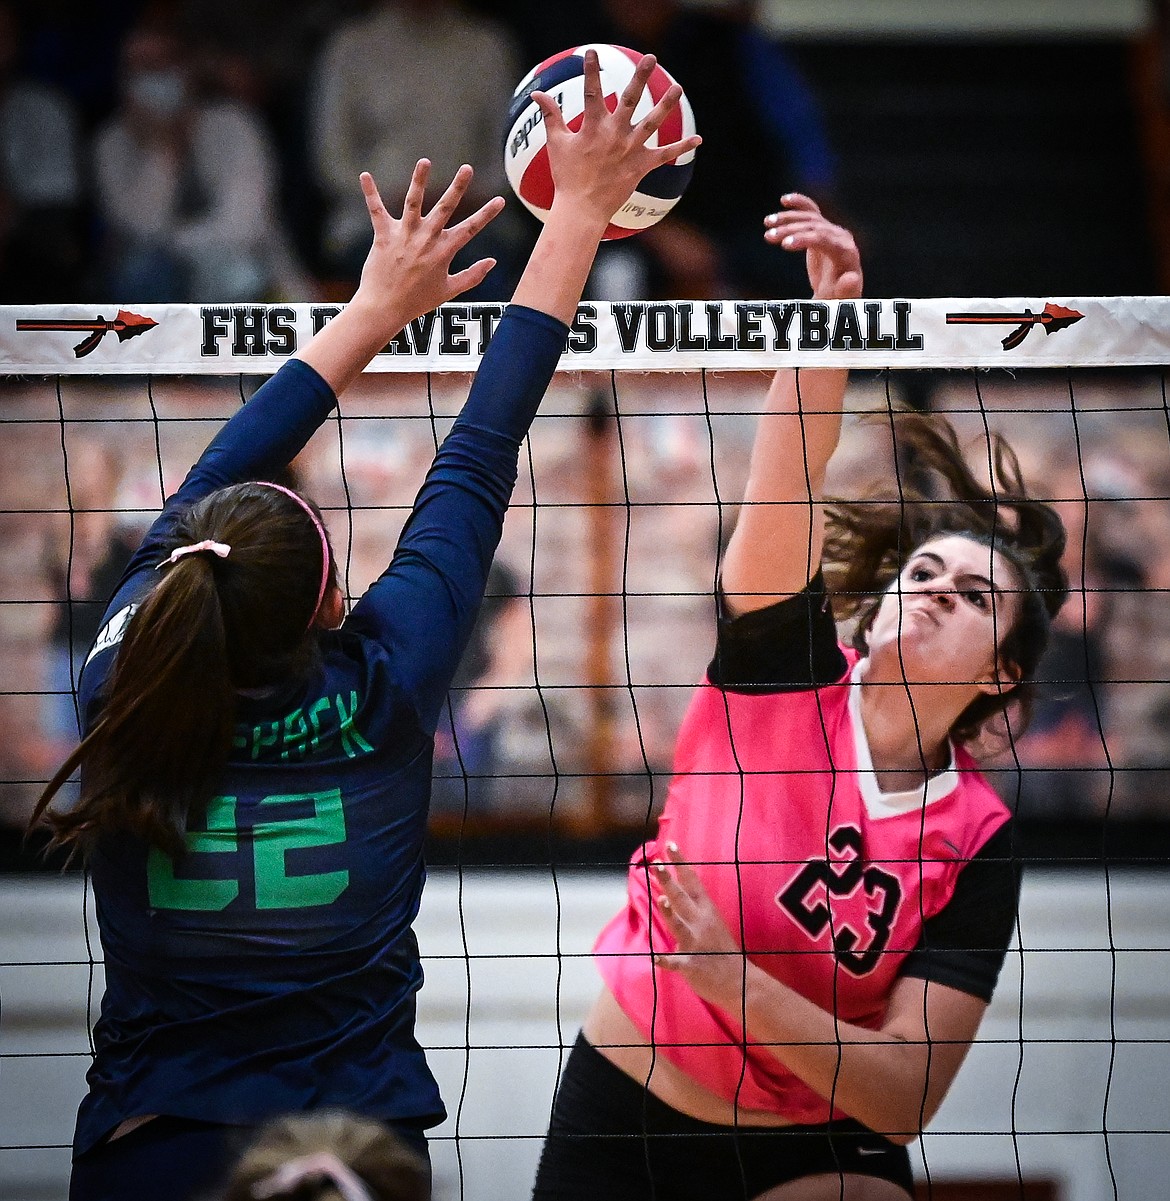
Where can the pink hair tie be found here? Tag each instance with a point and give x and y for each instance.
(320, 1166)
(217, 548)
(300, 500)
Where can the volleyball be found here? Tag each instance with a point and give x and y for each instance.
(563, 78)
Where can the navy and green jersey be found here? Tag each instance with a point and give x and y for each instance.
(273, 968)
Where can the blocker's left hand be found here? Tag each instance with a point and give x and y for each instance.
(406, 271)
(706, 954)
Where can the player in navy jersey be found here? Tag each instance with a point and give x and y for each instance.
(256, 765)
(812, 937)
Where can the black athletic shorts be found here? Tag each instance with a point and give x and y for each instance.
(610, 1138)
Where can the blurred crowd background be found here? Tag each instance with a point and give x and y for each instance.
(208, 150)
(202, 150)
(195, 150)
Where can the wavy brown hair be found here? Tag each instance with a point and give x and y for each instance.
(869, 541)
(209, 628)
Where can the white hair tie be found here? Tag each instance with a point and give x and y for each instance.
(322, 1166)
(216, 548)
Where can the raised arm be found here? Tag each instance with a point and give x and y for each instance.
(406, 274)
(425, 604)
(776, 547)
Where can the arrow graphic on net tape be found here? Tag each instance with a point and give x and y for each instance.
(1050, 319)
(125, 325)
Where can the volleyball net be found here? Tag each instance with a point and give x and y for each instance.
(557, 741)
(600, 607)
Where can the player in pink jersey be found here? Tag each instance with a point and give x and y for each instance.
(812, 938)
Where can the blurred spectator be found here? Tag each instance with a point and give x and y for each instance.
(413, 79)
(263, 54)
(333, 1156)
(763, 135)
(186, 187)
(73, 45)
(494, 746)
(1132, 482)
(41, 250)
(1064, 752)
(541, 30)
(465, 752)
(83, 559)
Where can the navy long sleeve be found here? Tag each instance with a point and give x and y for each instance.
(424, 606)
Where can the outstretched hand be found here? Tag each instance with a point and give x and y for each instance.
(706, 954)
(407, 272)
(599, 166)
(834, 264)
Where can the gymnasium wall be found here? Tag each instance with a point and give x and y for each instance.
(1073, 1056)
(954, 18)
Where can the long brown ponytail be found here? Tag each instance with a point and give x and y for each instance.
(868, 542)
(210, 627)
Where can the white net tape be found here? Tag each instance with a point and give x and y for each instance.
(632, 336)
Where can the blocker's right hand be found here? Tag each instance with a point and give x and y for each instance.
(598, 168)
(407, 272)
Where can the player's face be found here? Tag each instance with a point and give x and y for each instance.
(943, 617)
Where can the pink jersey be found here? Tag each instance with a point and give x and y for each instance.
(775, 802)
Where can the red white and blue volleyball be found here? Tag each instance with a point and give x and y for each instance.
(563, 78)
